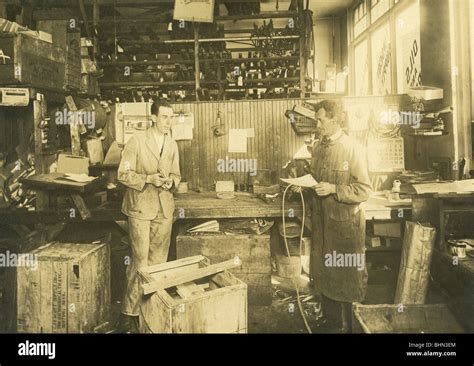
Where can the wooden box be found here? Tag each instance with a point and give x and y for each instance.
(390, 318)
(29, 61)
(68, 292)
(213, 301)
(253, 251)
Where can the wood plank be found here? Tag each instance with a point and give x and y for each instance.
(59, 297)
(46, 275)
(189, 289)
(223, 310)
(170, 265)
(149, 288)
(81, 206)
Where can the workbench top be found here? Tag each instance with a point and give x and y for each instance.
(245, 205)
(207, 205)
(57, 181)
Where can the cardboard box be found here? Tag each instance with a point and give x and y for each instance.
(73, 164)
(392, 229)
(95, 151)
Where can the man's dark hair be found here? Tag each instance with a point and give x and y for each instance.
(333, 109)
(155, 107)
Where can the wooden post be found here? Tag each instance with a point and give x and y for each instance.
(197, 69)
(84, 18)
(3, 11)
(39, 106)
(95, 18)
(74, 127)
(302, 25)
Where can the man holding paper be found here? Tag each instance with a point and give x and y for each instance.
(149, 168)
(339, 165)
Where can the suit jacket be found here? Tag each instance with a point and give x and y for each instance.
(141, 157)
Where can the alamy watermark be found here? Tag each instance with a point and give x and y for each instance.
(231, 165)
(66, 117)
(9, 259)
(28, 348)
(391, 117)
(345, 260)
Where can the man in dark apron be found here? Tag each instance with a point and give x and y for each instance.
(339, 165)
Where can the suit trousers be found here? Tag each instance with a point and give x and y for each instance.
(150, 242)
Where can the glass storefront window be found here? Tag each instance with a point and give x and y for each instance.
(361, 67)
(381, 61)
(408, 48)
(378, 8)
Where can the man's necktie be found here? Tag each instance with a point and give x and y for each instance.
(325, 141)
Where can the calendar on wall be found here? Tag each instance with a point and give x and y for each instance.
(386, 155)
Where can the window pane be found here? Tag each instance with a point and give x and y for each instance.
(379, 8)
(360, 19)
(408, 48)
(361, 69)
(381, 61)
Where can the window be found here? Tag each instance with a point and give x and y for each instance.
(408, 48)
(378, 8)
(381, 61)
(361, 69)
(360, 18)
(385, 47)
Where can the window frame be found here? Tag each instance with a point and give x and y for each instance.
(395, 8)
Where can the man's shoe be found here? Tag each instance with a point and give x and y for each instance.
(128, 324)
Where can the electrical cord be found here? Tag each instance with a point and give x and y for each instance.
(295, 283)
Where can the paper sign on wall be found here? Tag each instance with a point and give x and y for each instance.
(238, 140)
(182, 126)
(194, 10)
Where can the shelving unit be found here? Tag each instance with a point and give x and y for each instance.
(198, 62)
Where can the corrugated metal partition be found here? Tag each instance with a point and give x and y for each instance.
(273, 144)
(274, 141)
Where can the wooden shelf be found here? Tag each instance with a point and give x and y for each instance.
(222, 61)
(125, 84)
(119, 84)
(264, 15)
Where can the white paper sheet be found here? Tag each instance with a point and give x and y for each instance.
(304, 181)
(79, 178)
(460, 186)
(238, 140)
(182, 126)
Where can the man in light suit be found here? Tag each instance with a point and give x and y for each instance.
(149, 168)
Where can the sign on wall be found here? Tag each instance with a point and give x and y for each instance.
(194, 10)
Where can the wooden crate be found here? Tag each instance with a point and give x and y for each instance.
(387, 318)
(214, 303)
(31, 62)
(253, 251)
(68, 292)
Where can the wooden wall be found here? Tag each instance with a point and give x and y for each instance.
(274, 143)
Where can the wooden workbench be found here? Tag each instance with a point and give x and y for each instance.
(203, 206)
(55, 184)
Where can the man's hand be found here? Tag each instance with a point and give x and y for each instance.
(325, 189)
(168, 184)
(156, 179)
(296, 189)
